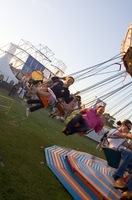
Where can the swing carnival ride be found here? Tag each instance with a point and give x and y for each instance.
(113, 89)
(83, 175)
(111, 82)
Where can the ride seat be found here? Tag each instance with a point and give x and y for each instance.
(112, 156)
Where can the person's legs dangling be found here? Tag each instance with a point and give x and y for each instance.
(72, 128)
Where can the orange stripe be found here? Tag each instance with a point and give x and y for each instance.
(59, 166)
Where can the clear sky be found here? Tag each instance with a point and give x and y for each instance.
(81, 33)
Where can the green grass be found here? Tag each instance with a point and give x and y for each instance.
(25, 175)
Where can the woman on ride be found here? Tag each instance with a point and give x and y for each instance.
(87, 119)
(59, 89)
(117, 137)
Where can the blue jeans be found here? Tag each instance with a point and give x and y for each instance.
(83, 127)
(125, 163)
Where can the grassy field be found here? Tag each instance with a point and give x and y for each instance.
(25, 175)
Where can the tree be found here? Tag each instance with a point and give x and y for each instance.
(109, 120)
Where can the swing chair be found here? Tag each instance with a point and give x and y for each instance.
(52, 102)
(60, 108)
(55, 103)
(36, 80)
(44, 101)
(112, 156)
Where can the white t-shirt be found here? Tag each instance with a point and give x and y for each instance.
(113, 142)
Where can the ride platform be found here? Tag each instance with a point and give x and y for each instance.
(85, 177)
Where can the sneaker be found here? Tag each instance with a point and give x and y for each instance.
(27, 112)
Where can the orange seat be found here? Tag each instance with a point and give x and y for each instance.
(60, 108)
(44, 101)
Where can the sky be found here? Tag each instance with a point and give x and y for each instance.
(81, 33)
